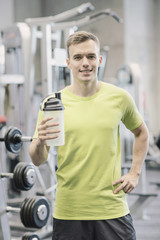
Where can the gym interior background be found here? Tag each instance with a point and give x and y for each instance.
(32, 37)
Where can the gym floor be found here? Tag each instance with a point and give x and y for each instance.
(148, 228)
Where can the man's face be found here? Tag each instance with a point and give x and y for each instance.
(84, 61)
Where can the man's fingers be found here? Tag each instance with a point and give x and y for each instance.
(122, 186)
(126, 183)
(48, 137)
(46, 120)
(125, 186)
(48, 134)
(118, 181)
(46, 130)
(128, 188)
(47, 125)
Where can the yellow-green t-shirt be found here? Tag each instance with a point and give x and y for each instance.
(90, 160)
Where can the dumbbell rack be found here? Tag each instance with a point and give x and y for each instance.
(4, 222)
(33, 211)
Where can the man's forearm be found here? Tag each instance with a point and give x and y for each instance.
(129, 181)
(38, 152)
(139, 149)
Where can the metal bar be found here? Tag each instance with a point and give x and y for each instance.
(86, 7)
(14, 201)
(47, 232)
(26, 139)
(140, 205)
(4, 223)
(86, 20)
(40, 179)
(51, 189)
(46, 55)
(6, 175)
(13, 209)
(109, 13)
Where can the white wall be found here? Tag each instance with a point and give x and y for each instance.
(141, 47)
(27, 9)
(6, 13)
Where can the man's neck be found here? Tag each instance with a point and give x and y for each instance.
(84, 89)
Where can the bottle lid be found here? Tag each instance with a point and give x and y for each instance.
(53, 103)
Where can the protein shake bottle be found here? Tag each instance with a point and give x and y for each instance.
(53, 108)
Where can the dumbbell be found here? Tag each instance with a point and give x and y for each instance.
(14, 140)
(34, 212)
(30, 236)
(24, 176)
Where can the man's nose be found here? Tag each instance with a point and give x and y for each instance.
(85, 62)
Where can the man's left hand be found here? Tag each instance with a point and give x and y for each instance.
(128, 183)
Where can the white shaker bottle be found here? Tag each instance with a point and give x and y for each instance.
(53, 108)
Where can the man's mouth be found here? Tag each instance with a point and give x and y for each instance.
(86, 70)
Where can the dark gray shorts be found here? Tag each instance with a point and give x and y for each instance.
(111, 229)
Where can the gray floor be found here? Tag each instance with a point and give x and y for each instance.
(148, 227)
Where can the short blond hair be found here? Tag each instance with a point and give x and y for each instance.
(79, 37)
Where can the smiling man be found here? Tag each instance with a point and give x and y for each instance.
(91, 193)
(84, 60)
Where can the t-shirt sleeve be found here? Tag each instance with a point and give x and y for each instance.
(131, 116)
(39, 119)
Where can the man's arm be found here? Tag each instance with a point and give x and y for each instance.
(130, 180)
(38, 152)
(38, 149)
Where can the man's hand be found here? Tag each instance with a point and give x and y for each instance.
(46, 130)
(38, 149)
(128, 183)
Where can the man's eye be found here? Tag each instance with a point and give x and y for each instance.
(77, 57)
(92, 57)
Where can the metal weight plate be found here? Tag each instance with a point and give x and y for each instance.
(16, 173)
(24, 187)
(26, 222)
(29, 176)
(7, 143)
(30, 236)
(20, 177)
(17, 176)
(11, 143)
(27, 213)
(24, 176)
(30, 213)
(22, 211)
(40, 212)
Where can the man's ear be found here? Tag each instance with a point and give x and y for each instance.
(68, 63)
(100, 61)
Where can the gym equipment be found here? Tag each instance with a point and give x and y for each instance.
(34, 212)
(14, 140)
(77, 11)
(30, 236)
(24, 176)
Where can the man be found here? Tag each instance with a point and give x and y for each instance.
(90, 195)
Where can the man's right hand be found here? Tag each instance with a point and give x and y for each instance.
(38, 149)
(46, 130)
